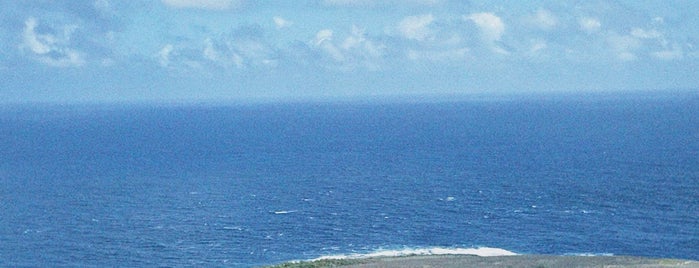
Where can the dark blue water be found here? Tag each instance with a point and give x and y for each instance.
(245, 185)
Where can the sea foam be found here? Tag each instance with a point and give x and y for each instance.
(482, 251)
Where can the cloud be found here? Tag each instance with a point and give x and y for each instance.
(669, 54)
(323, 40)
(355, 50)
(624, 46)
(280, 22)
(222, 55)
(416, 27)
(371, 3)
(645, 34)
(242, 48)
(202, 4)
(50, 48)
(164, 55)
(544, 19)
(362, 47)
(491, 26)
(536, 46)
(589, 25)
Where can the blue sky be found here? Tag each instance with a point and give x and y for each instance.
(204, 50)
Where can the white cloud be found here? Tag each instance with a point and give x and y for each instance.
(416, 27)
(354, 50)
(364, 3)
(322, 36)
(38, 44)
(362, 48)
(202, 4)
(238, 50)
(438, 54)
(624, 46)
(103, 7)
(537, 45)
(323, 40)
(645, 34)
(254, 52)
(357, 41)
(589, 25)
(210, 53)
(491, 26)
(669, 54)
(51, 49)
(281, 22)
(544, 19)
(164, 55)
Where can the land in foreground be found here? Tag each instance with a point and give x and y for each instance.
(497, 261)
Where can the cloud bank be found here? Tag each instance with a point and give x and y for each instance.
(442, 46)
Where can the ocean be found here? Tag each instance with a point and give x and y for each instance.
(245, 185)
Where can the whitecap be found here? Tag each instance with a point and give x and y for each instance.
(589, 254)
(481, 251)
(278, 212)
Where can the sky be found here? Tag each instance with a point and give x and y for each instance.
(65, 51)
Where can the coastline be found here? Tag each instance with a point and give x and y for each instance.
(462, 260)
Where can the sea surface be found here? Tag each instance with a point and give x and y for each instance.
(252, 184)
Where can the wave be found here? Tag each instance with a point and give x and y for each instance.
(481, 251)
(279, 212)
(589, 254)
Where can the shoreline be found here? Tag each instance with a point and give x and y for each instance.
(464, 260)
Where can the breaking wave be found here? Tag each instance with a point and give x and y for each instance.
(481, 251)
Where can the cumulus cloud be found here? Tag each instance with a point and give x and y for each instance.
(323, 40)
(244, 47)
(589, 25)
(358, 40)
(624, 46)
(280, 22)
(51, 48)
(639, 42)
(221, 56)
(322, 36)
(537, 45)
(164, 55)
(544, 19)
(416, 27)
(645, 34)
(368, 3)
(202, 4)
(354, 50)
(491, 26)
(675, 52)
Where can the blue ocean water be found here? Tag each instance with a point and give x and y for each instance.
(247, 185)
